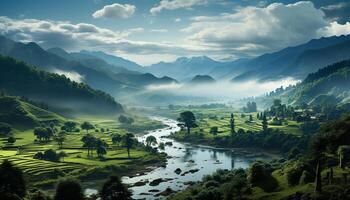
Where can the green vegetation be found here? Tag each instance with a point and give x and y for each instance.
(17, 78)
(319, 174)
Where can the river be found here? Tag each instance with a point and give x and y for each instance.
(201, 160)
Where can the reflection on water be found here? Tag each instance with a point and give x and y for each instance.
(185, 157)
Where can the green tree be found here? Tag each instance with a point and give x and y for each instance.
(11, 180)
(60, 138)
(87, 126)
(11, 140)
(114, 189)
(128, 140)
(69, 189)
(214, 130)
(264, 124)
(116, 138)
(101, 148)
(344, 155)
(188, 120)
(232, 124)
(70, 126)
(151, 140)
(89, 142)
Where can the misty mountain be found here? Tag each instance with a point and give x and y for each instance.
(202, 79)
(58, 92)
(327, 86)
(296, 61)
(114, 60)
(185, 68)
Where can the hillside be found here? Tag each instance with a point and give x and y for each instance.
(60, 93)
(327, 86)
(17, 112)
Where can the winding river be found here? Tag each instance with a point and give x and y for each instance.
(193, 160)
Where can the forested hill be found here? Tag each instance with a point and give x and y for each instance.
(58, 92)
(328, 86)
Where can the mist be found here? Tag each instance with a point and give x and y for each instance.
(222, 89)
(72, 75)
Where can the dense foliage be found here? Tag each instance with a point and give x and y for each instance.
(57, 91)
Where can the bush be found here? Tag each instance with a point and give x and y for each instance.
(5, 129)
(49, 155)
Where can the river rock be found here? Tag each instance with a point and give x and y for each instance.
(154, 190)
(178, 171)
(165, 193)
(169, 144)
(192, 171)
(140, 183)
(145, 193)
(157, 181)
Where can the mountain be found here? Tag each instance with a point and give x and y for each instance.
(89, 61)
(21, 113)
(327, 86)
(114, 60)
(58, 92)
(296, 61)
(33, 54)
(202, 79)
(144, 79)
(184, 68)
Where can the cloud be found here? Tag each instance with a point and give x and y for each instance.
(72, 75)
(175, 4)
(256, 30)
(337, 12)
(222, 89)
(177, 19)
(115, 10)
(159, 30)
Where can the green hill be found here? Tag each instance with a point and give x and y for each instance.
(60, 93)
(15, 111)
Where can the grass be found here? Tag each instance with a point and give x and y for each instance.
(220, 117)
(77, 158)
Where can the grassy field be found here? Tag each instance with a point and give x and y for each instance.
(22, 151)
(220, 117)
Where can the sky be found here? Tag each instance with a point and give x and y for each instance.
(150, 31)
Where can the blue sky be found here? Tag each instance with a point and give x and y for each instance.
(149, 31)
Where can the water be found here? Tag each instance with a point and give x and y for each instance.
(187, 157)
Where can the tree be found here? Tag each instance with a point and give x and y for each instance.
(264, 124)
(89, 142)
(5, 129)
(116, 138)
(188, 120)
(114, 189)
(101, 148)
(125, 120)
(11, 140)
(344, 155)
(11, 180)
(318, 181)
(70, 126)
(87, 126)
(43, 133)
(69, 189)
(151, 140)
(232, 124)
(214, 130)
(60, 138)
(250, 118)
(128, 140)
(62, 155)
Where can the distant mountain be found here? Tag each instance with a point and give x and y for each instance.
(60, 93)
(202, 79)
(296, 61)
(144, 79)
(115, 60)
(184, 68)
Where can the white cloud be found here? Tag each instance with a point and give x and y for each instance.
(115, 10)
(159, 30)
(175, 4)
(137, 30)
(72, 75)
(255, 30)
(177, 19)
